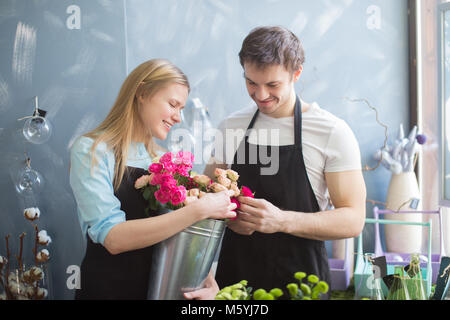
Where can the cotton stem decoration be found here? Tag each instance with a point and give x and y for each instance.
(402, 155)
(22, 283)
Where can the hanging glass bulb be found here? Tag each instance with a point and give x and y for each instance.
(201, 114)
(37, 129)
(29, 181)
(203, 132)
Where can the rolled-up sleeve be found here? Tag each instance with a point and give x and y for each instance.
(98, 208)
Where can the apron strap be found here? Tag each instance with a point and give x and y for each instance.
(298, 123)
(250, 126)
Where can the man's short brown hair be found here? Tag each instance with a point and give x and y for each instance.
(267, 46)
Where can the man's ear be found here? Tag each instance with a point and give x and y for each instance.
(298, 73)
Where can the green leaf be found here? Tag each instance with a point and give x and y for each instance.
(147, 193)
(154, 205)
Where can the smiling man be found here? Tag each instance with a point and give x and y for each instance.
(283, 229)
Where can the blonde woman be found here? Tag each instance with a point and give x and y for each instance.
(106, 162)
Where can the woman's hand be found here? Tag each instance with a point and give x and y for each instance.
(216, 205)
(209, 292)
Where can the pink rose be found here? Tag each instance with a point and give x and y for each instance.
(170, 167)
(202, 180)
(162, 196)
(167, 161)
(216, 187)
(168, 185)
(234, 200)
(194, 192)
(224, 181)
(165, 177)
(220, 172)
(166, 158)
(159, 178)
(178, 195)
(232, 175)
(155, 179)
(185, 158)
(236, 190)
(246, 192)
(238, 205)
(156, 168)
(183, 171)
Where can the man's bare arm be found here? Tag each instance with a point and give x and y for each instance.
(348, 195)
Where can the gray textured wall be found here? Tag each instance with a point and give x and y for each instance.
(76, 73)
(354, 49)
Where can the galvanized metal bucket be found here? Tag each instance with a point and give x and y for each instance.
(182, 263)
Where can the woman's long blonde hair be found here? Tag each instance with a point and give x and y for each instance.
(123, 119)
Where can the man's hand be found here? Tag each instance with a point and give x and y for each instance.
(241, 227)
(257, 215)
(209, 292)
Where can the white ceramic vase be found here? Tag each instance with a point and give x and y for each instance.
(403, 188)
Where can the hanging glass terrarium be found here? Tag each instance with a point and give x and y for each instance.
(37, 129)
(29, 181)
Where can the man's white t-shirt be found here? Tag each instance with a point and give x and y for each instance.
(328, 143)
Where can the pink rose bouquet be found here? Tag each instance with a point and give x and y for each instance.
(168, 181)
(171, 183)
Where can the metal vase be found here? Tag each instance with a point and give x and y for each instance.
(182, 263)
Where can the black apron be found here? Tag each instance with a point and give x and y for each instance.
(126, 275)
(270, 260)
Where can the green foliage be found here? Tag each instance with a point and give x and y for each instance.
(306, 290)
(313, 279)
(148, 192)
(237, 291)
(300, 276)
(276, 292)
(311, 290)
(323, 287)
(153, 204)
